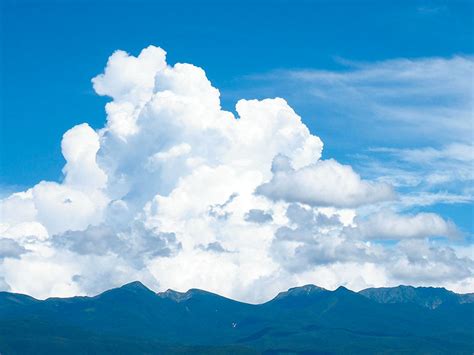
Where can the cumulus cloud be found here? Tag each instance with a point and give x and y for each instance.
(422, 262)
(323, 183)
(213, 247)
(178, 193)
(315, 238)
(389, 225)
(135, 243)
(9, 248)
(258, 216)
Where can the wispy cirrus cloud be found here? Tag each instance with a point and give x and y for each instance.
(427, 175)
(430, 99)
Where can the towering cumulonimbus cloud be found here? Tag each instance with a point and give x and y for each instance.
(178, 193)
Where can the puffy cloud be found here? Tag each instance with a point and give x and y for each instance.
(79, 147)
(52, 207)
(24, 231)
(314, 238)
(423, 262)
(258, 216)
(130, 79)
(9, 248)
(317, 244)
(215, 247)
(134, 243)
(71, 205)
(389, 225)
(323, 183)
(178, 193)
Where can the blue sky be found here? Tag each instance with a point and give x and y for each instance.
(384, 84)
(51, 50)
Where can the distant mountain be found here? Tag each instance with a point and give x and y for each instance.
(429, 297)
(133, 319)
(307, 290)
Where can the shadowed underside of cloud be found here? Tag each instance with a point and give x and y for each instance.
(178, 193)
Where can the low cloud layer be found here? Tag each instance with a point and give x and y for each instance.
(178, 193)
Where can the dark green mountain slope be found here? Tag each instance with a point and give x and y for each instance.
(430, 297)
(309, 320)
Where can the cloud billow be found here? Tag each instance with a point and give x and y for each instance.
(323, 183)
(178, 193)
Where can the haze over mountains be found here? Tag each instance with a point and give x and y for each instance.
(302, 320)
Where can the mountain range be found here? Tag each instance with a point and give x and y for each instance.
(133, 319)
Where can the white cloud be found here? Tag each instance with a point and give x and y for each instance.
(428, 175)
(430, 96)
(423, 263)
(165, 193)
(418, 110)
(128, 78)
(9, 248)
(389, 225)
(454, 151)
(79, 147)
(172, 153)
(324, 183)
(73, 205)
(423, 101)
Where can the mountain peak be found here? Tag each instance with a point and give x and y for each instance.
(135, 286)
(175, 295)
(300, 291)
(429, 297)
(183, 296)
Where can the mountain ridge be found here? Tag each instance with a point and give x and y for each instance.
(308, 289)
(305, 319)
(431, 297)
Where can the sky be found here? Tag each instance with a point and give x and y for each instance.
(348, 159)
